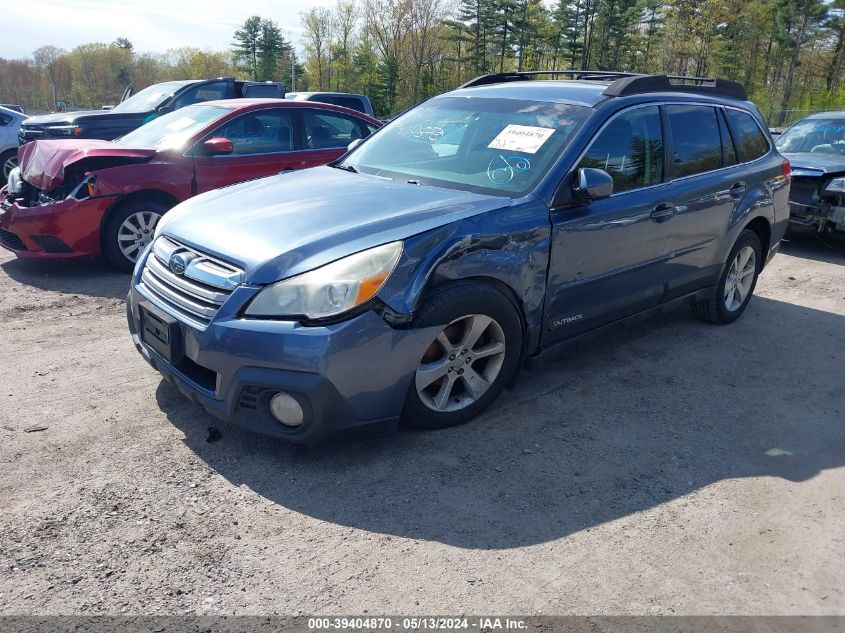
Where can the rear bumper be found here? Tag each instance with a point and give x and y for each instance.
(347, 377)
(66, 229)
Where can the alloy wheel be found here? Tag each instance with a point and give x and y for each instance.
(740, 278)
(136, 232)
(461, 364)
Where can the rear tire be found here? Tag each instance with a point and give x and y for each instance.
(128, 230)
(737, 283)
(470, 361)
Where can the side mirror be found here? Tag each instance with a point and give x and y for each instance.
(353, 144)
(218, 146)
(592, 184)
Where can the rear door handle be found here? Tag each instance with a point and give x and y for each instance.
(738, 189)
(663, 211)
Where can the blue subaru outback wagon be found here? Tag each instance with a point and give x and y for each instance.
(490, 225)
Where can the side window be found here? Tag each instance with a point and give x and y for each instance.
(203, 92)
(728, 150)
(5, 120)
(629, 148)
(347, 102)
(695, 139)
(328, 130)
(750, 140)
(262, 132)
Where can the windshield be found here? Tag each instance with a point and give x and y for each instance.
(173, 130)
(825, 136)
(495, 146)
(149, 98)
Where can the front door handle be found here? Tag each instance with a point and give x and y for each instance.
(663, 211)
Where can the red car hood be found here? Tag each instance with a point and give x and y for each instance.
(43, 163)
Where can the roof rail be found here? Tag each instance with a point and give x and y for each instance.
(525, 75)
(626, 83)
(639, 84)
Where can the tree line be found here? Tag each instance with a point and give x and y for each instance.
(788, 53)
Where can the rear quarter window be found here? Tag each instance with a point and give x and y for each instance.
(750, 141)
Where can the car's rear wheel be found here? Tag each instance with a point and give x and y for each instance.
(8, 161)
(737, 283)
(471, 358)
(128, 231)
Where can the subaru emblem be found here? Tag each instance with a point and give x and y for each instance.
(179, 262)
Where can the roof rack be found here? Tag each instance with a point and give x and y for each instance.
(625, 84)
(525, 75)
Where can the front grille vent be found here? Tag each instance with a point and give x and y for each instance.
(186, 282)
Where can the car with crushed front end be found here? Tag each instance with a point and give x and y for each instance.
(86, 198)
(485, 227)
(815, 146)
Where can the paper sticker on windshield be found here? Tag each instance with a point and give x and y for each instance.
(180, 124)
(521, 138)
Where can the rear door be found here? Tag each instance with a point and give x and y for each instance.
(326, 134)
(608, 256)
(264, 142)
(707, 186)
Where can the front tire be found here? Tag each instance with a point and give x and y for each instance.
(128, 230)
(469, 362)
(737, 283)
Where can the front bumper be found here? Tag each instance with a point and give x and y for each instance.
(66, 229)
(347, 377)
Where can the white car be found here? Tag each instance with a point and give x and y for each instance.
(10, 123)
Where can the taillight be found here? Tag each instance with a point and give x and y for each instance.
(786, 170)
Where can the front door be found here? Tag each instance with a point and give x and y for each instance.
(264, 142)
(608, 256)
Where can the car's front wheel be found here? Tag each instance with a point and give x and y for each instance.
(128, 231)
(469, 361)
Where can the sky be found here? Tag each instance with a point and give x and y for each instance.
(151, 25)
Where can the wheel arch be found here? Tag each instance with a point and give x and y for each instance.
(157, 195)
(761, 226)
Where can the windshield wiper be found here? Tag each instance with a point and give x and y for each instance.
(348, 168)
(413, 182)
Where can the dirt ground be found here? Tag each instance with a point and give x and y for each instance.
(673, 468)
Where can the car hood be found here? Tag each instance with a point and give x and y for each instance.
(43, 163)
(75, 117)
(293, 222)
(814, 163)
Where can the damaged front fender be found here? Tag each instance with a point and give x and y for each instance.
(509, 247)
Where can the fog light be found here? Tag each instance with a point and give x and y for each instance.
(286, 409)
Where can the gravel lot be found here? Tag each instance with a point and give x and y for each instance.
(673, 468)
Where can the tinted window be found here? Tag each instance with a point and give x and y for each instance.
(347, 102)
(262, 90)
(749, 138)
(203, 92)
(327, 130)
(5, 120)
(728, 150)
(629, 148)
(262, 132)
(695, 139)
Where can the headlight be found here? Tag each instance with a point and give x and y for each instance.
(837, 185)
(64, 130)
(330, 290)
(14, 181)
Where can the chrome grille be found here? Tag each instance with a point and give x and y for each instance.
(197, 291)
